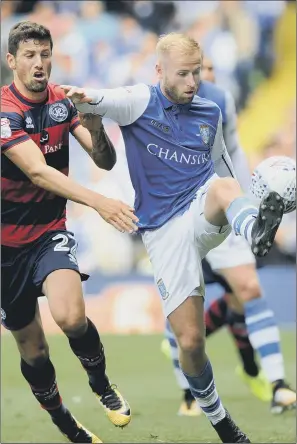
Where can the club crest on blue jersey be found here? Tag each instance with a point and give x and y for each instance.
(206, 135)
(162, 289)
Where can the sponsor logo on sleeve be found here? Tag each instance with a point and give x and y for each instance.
(5, 128)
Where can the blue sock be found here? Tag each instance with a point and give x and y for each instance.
(180, 377)
(241, 215)
(264, 337)
(204, 391)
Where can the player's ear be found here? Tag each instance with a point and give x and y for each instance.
(10, 60)
(159, 70)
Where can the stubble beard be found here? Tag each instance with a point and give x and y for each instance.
(174, 97)
(35, 86)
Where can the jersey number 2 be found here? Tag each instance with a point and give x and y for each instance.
(62, 246)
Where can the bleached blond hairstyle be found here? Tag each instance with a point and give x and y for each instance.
(176, 41)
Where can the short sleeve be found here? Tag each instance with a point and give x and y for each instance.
(12, 128)
(74, 119)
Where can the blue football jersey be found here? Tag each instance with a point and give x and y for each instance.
(172, 150)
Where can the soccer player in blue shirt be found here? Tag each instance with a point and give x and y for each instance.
(186, 198)
(233, 266)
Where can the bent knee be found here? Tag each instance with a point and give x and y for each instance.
(224, 185)
(191, 342)
(34, 353)
(72, 324)
(220, 194)
(249, 289)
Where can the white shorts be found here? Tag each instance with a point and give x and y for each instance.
(233, 252)
(177, 248)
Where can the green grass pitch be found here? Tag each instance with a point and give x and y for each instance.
(145, 377)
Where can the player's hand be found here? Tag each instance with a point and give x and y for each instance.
(118, 214)
(93, 122)
(77, 95)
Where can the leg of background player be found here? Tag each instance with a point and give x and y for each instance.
(249, 372)
(236, 325)
(64, 292)
(39, 372)
(263, 332)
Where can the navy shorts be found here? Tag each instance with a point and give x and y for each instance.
(23, 271)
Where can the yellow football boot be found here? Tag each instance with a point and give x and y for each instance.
(189, 408)
(115, 406)
(258, 385)
(165, 348)
(284, 398)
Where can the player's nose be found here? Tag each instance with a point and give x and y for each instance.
(38, 62)
(191, 82)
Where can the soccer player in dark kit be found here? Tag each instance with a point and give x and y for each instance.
(38, 253)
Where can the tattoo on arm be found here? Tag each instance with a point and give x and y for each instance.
(103, 151)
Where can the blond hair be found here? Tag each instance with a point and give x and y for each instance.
(182, 42)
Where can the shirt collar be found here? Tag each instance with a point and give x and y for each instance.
(167, 104)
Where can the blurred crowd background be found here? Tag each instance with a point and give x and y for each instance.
(105, 44)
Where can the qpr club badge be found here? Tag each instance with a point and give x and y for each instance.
(58, 112)
(207, 135)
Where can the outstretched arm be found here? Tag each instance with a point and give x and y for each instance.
(122, 105)
(28, 157)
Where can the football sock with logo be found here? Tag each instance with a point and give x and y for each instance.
(237, 328)
(204, 391)
(264, 337)
(241, 215)
(42, 380)
(89, 350)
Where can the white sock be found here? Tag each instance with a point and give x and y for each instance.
(241, 216)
